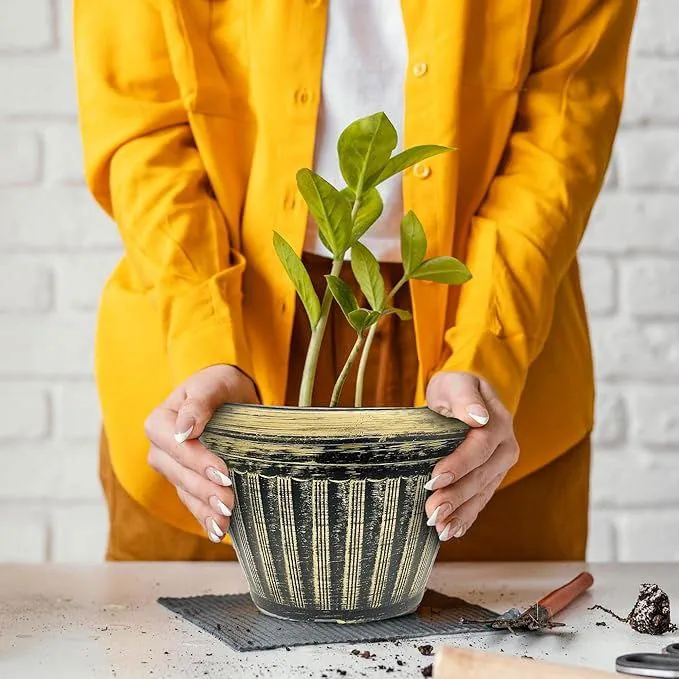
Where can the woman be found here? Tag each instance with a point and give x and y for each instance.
(195, 117)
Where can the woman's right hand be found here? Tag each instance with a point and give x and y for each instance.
(200, 477)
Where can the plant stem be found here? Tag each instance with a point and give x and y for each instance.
(337, 391)
(363, 364)
(314, 350)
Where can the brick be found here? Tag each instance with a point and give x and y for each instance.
(50, 346)
(24, 285)
(77, 412)
(24, 535)
(81, 278)
(623, 349)
(24, 412)
(20, 156)
(64, 154)
(54, 219)
(650, 287)
(648, 159)
(652, 92)
(26, 25)
(599, 282)
(654, 415)
(37, 86)
(633, 478)
(601, 545)
(79, 534)
(650, 536)
(610, 418)
(625, 224)
(656, 31)
(52, 471)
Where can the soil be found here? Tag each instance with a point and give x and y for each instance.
(650, 614)
(428, 671)
(426, 649)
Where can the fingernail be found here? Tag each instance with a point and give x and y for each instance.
(439, 481)
(478, 414)
(434, 517)
(218, 477)
(213, 527)
(181, 436)
(443, 410)
(440, 513)
(450, 530)
(213, 537)
(220, 506)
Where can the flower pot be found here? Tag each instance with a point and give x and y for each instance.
(329, 521)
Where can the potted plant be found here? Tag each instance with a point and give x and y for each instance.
(329, 522)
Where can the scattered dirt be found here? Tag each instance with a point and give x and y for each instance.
(528, 657)
(601, 624)
(428, 671)
(650, 614)
(426, 649)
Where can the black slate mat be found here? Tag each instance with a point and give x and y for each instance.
(235, 620)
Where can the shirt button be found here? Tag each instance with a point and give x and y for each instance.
(419, 69)
(302, 96)
(421, 170)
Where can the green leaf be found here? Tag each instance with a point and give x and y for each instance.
(330, 209)
(442, 270)
(405, 159)
(401, 313)
(364, 148)
(368, 213)
(299, 277)
(348, 194)
(343, 294)
(367, 271)
(413, 242)
(362, 319)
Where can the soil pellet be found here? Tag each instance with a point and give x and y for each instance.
(650, 614)
(428, 671)
(426, 649)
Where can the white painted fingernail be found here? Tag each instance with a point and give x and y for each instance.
(478, 414)
(182, 436)
(218, 477)
(224, 510)
(434, 516)
(214, 537)
(213, 527)
(445, 534)
(459, 532)
(439, 481)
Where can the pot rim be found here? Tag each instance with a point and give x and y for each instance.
(318, 423)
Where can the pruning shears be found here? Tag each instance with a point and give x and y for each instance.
(665, 664)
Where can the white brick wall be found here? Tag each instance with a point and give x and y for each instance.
(56, 247)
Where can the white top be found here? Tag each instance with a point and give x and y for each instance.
(98, 622)
(366, 56)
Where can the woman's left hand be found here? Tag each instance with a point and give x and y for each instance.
(467, 479)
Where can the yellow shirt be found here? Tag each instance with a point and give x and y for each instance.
(195, 116)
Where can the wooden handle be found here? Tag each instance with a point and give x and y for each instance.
(463, 663)
(560, 598)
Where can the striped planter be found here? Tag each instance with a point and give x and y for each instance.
(329, 522)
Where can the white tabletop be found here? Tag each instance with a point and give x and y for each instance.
(103, 621)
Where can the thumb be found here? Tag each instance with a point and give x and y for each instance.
(205, 392)
(454, 394)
